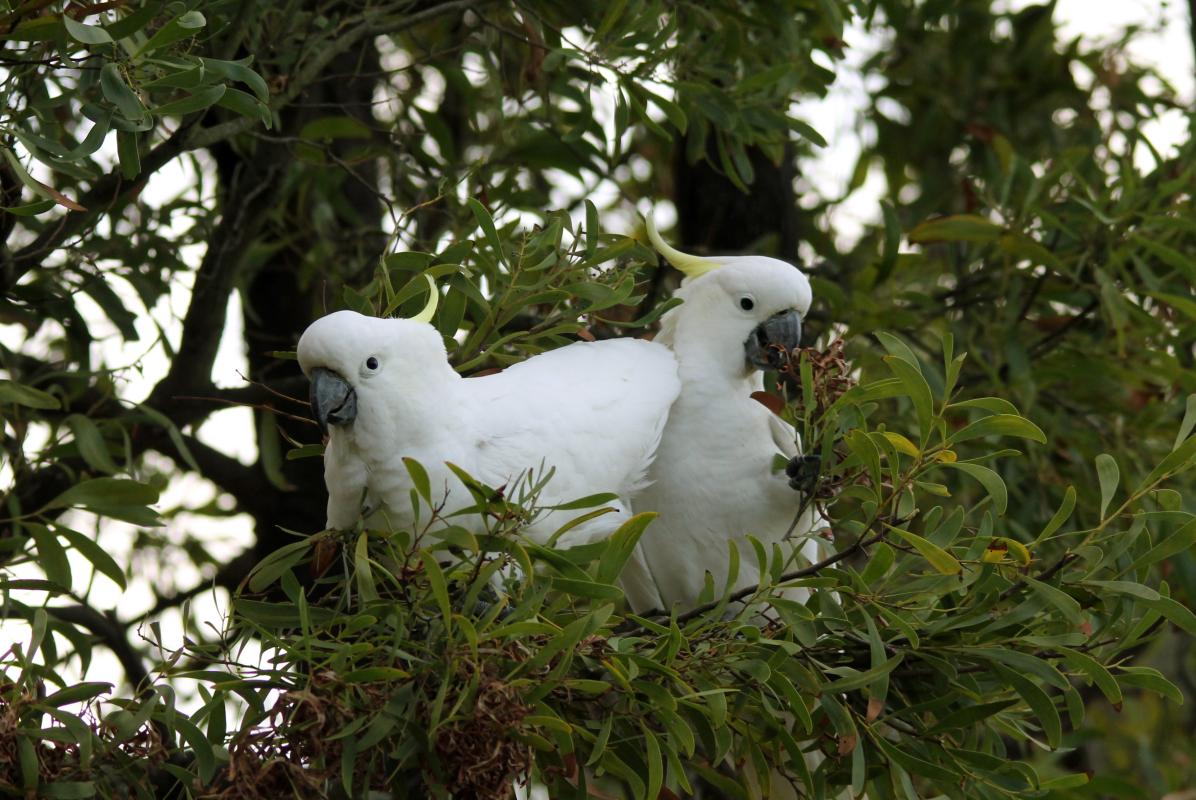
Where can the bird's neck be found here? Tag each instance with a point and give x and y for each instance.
(713, 364)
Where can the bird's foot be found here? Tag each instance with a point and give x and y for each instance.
(803, 473)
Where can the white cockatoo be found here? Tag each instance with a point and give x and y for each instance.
(383, 389)
(713, 478)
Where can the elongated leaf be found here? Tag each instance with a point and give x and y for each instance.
(957, 228)
(939, 558)
(1000, 425)
(969, 715)
(106, 492)
(1096, 672)
(1040, 703)
(21, 395)
(1061, 515)
(198, 101)
(98, 556)
(119, 94)
(1188, 423)
(1110, 476)
(91, 443)
(989, 479)
(87, 34)
(486, 223)
(917, 389)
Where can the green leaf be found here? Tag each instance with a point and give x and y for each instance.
(1110, 476)
(439, 588)
(246, 105)
(173, 432)
(989, 479)
(1096, 672)
(1000, 425)
(22, 395)
(486, 223)
(590, 501)
(1173, 463)
(373, 674)
(896, 347)
(51, 555)
(129, 153)
(238, 71)
(98, 556)
(197, 101)
(939, 558)
(419, 478)
(1061, 515)
(1169, 256)
(892, 241)
(917, 389)
(91, 443)
(969, 715)
(329, 128)
(1151, 679)
(106, 492)
(861, 679)
(994, 404)
(1189, 421)
(590, 589)
(1068, 605)
(621, 545)
(1178, 542)
(119, 94)
(76, 694)
(957, 228)
(363, 570)
(1040, 703)
(912, 763)
(87, 34)
(181, 27)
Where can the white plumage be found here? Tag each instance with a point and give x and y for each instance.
(713, 478)
(594, 411)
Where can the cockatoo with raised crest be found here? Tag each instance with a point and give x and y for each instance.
(713, 478)
(383, 389)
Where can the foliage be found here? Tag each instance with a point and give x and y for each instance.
(986, 607)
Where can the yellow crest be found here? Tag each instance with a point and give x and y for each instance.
(692, 266)
(425, 314)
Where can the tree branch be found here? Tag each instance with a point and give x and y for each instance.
(112, 634)
(748, 591)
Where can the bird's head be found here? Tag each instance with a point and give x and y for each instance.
(755, 301)
(350, 358)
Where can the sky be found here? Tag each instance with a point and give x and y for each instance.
(1169, 49)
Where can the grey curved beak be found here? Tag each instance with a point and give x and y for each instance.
(769, 345)
(333, 400)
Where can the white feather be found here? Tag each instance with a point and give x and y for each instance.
(713, 481)
(593, 411)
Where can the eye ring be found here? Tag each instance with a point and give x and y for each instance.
(747, 303)
(371, 363)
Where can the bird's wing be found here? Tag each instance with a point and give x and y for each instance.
(783, 436)
(593, 410)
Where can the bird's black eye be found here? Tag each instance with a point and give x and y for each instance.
(371, 363)
(747, 303)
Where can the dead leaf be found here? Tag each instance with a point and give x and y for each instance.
(846, 744)
(875, 706)
(770, 401)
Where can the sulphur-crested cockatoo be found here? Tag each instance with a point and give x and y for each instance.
(713, 478)
(383, 389)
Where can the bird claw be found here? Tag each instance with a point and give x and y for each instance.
(803, 473)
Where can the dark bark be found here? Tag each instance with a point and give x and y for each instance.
(715, 216)
(293, 285)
